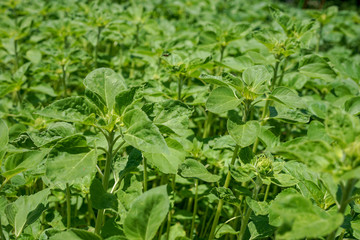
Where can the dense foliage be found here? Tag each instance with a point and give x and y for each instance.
(178, 120)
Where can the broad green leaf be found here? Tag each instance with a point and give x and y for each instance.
(316, 131)
(194, 169)
(146, 214)
(71, 109)
(124, 99)
(243, 173)
(52, 134)
(142, 133)
(259, 208)
(268, 138)
(26, 209)
(225, 194)
(288, 97)
(101, 199)
(314, 66)
(289, 115)
(106, 83)
(223, 229)
(171, 117)
(352, 106)
(168, 162)
(237, 64)
(284, 180)
(70, 160)
(259, 227)
(75, 234)
(256, 78)
(342, 126)
(24, 160)
(34, 56)
(243, 134)
(227, 79)
(298, 218)
(4, 134)
(221, 100)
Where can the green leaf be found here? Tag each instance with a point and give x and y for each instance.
(106, 83)
(26, 209)
(194, 169)
(100, 198)
(71, 109)
(223, 229)
(352, 105)
(52, 134)
(259, 227)
(316, 67)
(172, 117)
(284, 180)
(236, 64)
(287, 97)
(227, 79)
(243, 173)
(168, 162)
(4, 134)
(225, 194)
(298, 218)
(146, 214)
(76, 234)
(23, 161)
(124, 99)
(70, 160)
(221, 100)
(34, 56)
(256, 77)
(142, 133)
(243, 134)
(259, 208)
(289, 115)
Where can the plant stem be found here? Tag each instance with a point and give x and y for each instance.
(246, 218)
(68, 206)
(180, 82)
(221, 201)
(319, 38)
(109, 157)
(267, 192)
(16, 54)
(346, 196)
(145, 174)
(97, 44)
(170, 212)
(1, 231)
(64, 79)
(267, 102)
(195, 209)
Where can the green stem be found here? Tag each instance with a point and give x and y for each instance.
(145, 174)
(267, 192)
(109, 157)
(68, 206)
(170, 212)
(180, 82)
(246, 218)
(267, 102)
(64, 80)
(221, 201)
(97, 44)
(204, 220)
(346, 196)
(1, 231)
(195, 209)
(16, 55)
(319, 38)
